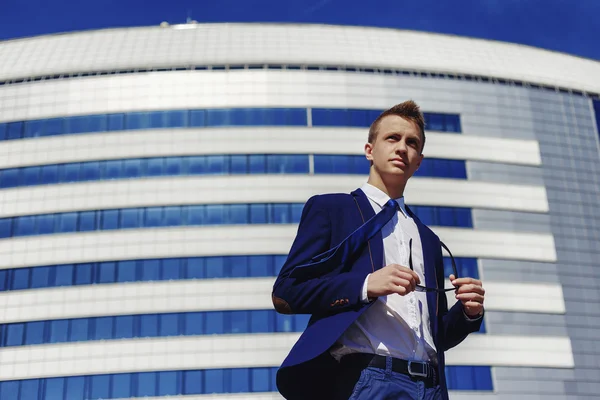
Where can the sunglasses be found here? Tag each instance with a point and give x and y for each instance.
(420, 288)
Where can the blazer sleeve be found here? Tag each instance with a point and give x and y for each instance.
(454, 324)
(321, 295)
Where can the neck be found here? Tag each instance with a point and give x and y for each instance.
(393, 189)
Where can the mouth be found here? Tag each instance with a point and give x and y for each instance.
(398, 162)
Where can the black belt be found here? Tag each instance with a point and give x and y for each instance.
(416, 370)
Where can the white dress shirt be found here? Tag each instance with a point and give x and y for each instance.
(395, 325)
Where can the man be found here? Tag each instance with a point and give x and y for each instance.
(355, 265)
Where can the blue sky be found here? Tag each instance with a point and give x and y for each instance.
(571, 26)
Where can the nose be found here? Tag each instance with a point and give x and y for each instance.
(401, 147)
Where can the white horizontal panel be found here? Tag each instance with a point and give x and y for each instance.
(125, 193)
(497, 244)
(146, 243)
(136, 298)
(238, 43)
(156, 354)
(215, 295)
(520, 297)
(248, 140)
(256, 350)
(513, 351)
(237, 240)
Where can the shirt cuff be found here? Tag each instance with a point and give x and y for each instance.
(364, 294)
(477, 318)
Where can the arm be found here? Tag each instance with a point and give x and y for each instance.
(325, 294)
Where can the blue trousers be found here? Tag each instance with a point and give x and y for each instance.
(378, 384)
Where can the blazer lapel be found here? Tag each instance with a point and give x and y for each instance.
(376, 242)
(428, 244)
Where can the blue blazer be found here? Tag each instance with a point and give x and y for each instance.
(333, 298)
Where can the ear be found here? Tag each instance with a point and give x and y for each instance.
(369, 151)
(420, 160)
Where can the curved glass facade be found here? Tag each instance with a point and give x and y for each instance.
(522, 160)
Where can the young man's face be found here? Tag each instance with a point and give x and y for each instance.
(396, 150)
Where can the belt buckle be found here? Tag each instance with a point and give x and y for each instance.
(423, 367)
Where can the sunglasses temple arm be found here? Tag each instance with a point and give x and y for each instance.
(454, 269)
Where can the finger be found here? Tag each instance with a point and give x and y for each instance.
(407, 282)
(470, 288)
(470, 297)
(452, 277)
(407, 270)
(467, 281)
(399, 289)
(473, 307)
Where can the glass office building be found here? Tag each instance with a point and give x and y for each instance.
(152, 179)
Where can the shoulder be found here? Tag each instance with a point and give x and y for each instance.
(333, 201)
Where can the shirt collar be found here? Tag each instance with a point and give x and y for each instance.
(380, 198)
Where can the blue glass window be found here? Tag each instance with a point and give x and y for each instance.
(21, 278)
(59, 331)
(67, 222)
(149, 325)
(55, 388)
(150, 270)
(469, 378)
(79, 330)
(14, 130)
(215, 267)
(168, 383)
(109, 219)
(116, 122)
(195, 268)
(69, 172)
(88, 221)
(34, 128)
(25, 226)
(100, 387)
(50, 174)
(214, 381)
(84, 274)
(31, 176)
(171, 269)
(14, 334)
(169, 325)
(192, 382)
(121, 386)
(106, 272)
(34, 332)
(146, 384)
(10, 178)
(124, 327)
(6, 227)
(65, 275)
(40, 277)
(30, 389)
(76, 387)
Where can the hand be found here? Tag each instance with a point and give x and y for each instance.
(391, 279)
(471, 294)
